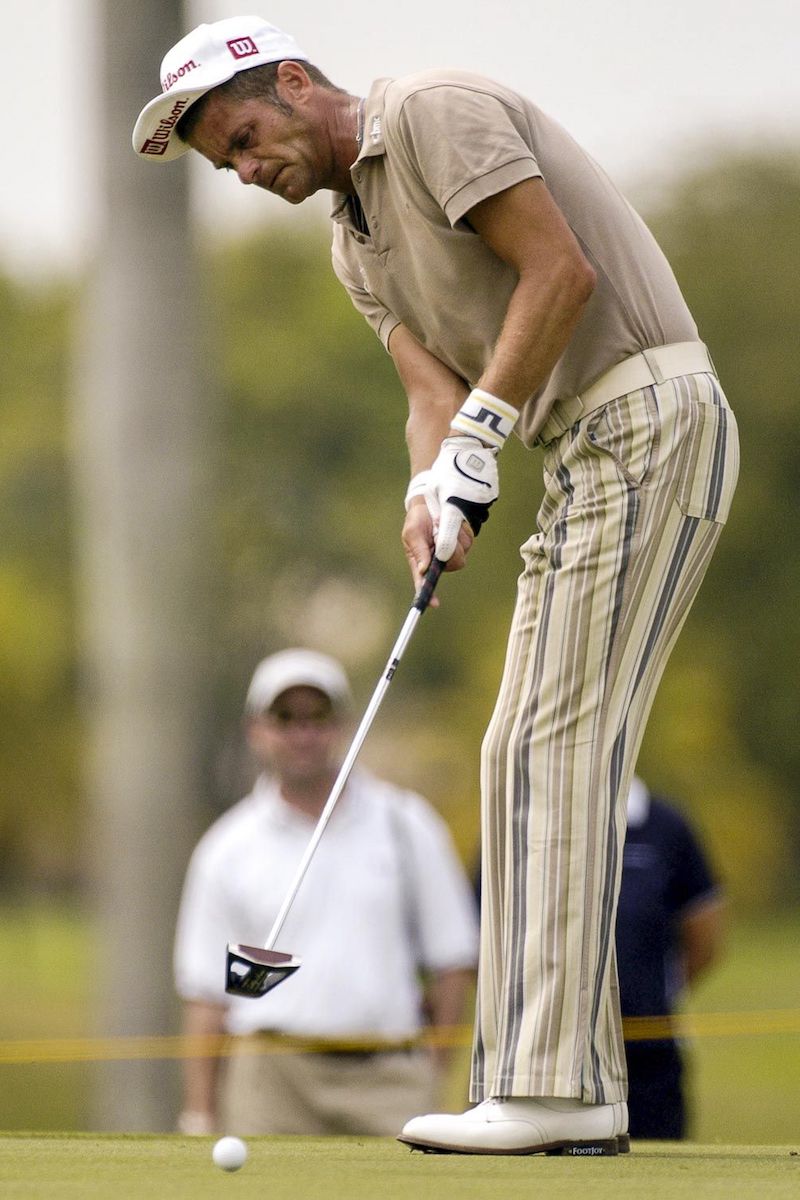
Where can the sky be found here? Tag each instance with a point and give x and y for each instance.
(647, 88)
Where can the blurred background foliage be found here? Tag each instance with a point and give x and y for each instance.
(311, 470)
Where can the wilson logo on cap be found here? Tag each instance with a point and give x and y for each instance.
(159, 139)
(242, 47)
(172, 77)
(151, 147)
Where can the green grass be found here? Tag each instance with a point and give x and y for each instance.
(134, 1168)
(745, 1086)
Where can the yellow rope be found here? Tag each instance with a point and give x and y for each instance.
(106, 1049)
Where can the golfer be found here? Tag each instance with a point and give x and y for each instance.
(515, 289)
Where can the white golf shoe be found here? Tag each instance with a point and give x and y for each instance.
(524, 1125)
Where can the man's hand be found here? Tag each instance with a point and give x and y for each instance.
(195, 1124)
(418, 540)
(461, 485)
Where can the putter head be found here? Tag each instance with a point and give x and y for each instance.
(252, 971)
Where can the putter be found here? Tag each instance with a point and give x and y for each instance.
(254, 970)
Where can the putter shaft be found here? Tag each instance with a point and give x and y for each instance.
(421, 602)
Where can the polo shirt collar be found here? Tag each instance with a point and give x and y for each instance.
(373, 145)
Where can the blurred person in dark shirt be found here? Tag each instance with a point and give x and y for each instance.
(670, 924)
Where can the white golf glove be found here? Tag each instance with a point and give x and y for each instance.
(460, 485)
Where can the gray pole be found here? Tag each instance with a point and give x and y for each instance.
(142, 455)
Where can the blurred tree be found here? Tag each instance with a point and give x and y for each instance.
(38, 732)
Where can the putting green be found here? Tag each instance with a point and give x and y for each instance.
(108, 1167)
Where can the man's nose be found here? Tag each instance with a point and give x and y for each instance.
(246, 170)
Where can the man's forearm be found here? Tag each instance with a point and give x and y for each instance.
(434, 393)
(540, 320)
(200, 1074)
(525, 228)
(446, 997)
(702, 933)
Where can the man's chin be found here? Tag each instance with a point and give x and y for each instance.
(293, 191)
(296, 197)
(307, 777)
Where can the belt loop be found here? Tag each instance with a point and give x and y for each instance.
(555, 426)
(652, 362)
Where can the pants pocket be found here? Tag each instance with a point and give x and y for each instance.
(624, 431)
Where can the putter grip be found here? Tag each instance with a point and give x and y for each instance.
(428, 585)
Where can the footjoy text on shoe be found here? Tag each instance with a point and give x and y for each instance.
(598, 1151)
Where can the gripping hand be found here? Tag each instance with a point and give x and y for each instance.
(461, 485)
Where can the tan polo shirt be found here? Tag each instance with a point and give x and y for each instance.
(435, 144)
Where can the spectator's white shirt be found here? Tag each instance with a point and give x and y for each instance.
(384, 896)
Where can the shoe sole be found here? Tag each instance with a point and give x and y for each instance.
(602, 1148)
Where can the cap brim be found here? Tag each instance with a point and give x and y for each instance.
(263, 700)
(154, 132)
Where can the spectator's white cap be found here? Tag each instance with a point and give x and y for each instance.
(296, 668)
(206, 57)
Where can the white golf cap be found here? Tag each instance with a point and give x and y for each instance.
(296, 668)
(206, 57)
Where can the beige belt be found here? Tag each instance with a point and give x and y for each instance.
(641, 370)
(339, 1047)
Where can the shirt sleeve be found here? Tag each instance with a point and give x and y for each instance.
(442, 904)
(465, 143)
(691, 878)
(203, 930)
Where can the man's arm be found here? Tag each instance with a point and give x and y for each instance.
(701, 935)
(525, 228)
(435, 394)
(445, 1002)
(200, 1075)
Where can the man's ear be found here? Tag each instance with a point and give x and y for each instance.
(251, 731)
(292, 80)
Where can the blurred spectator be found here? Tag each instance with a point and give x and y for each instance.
(669, 930)
(384, 922)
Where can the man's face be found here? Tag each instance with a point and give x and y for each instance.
(297, 739)
(288, 154)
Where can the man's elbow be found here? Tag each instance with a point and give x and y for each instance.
(572, 282)
(582, 281)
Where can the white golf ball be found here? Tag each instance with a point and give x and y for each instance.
(229, 1153)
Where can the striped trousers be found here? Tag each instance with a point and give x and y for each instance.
(636, 496)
